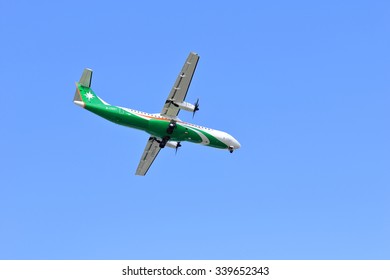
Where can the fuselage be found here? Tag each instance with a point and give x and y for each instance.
(156, 124)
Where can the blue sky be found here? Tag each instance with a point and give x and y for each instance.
(303, 85)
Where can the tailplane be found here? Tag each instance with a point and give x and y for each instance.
(84, 94)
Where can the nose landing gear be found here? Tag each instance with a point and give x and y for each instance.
(231, 149)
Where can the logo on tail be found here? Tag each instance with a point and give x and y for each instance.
(89, 95)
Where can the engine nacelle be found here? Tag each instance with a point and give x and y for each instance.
(185, 106)
(173, 144)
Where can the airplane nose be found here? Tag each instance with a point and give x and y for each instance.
(228, 140)
(236, 144)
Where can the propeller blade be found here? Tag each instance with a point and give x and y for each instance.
(177, 147)
(196, 108)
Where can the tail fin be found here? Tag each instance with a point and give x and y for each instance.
(84, 94)
(86, 78)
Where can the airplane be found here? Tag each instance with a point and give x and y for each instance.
(165, 129)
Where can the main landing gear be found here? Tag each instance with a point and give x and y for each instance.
(171, 127)
(163, 141)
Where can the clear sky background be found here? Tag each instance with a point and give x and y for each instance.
(303, 85)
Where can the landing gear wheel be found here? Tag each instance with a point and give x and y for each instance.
(164, 141)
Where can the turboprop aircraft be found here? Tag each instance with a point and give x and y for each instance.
(165, 128)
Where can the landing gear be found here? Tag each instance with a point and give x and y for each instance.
(231, 149)
(171, 127)
(163, 141)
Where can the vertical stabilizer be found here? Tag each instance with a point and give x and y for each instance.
(84, 94)
(86, 78)
(85, 81)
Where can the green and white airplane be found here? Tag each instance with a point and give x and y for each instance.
(165, 128)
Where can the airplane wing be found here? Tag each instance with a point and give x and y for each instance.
(179, 90)
(150, 153)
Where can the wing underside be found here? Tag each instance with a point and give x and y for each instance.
(180, 88)
(150, 153)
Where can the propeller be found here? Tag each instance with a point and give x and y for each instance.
(177, 147)
(196, 108)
